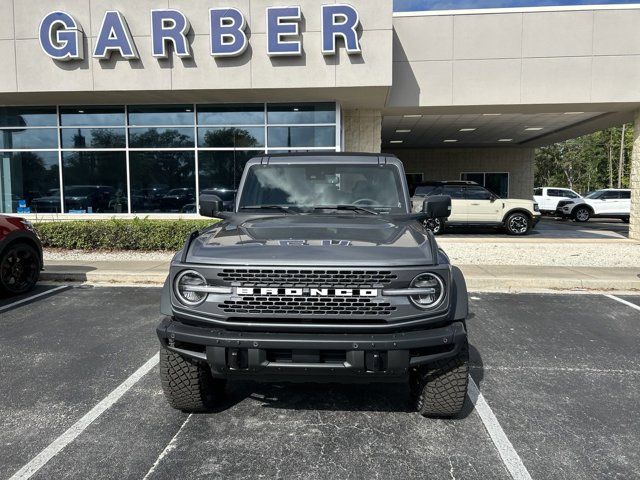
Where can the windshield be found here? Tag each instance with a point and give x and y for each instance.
(308, 186)
(595, 195)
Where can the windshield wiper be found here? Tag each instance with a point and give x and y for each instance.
(353, 208)
(271, 207)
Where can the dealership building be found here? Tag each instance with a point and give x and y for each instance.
(123, 108)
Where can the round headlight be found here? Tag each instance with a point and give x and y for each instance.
(434, 290)
(184, 288)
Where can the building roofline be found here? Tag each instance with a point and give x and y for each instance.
(488, 11)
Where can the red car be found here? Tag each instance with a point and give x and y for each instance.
(20, 256)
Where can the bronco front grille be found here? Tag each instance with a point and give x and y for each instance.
(281, 305)
(306, 278)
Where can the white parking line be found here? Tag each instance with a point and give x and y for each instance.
(628, 304)
(33, 297)
(77, 428)
(170, 446)
(509, 456)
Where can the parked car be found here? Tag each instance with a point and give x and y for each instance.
(547, 198)
(606, 203)
(474, 205)
(174, 200)
(20, 256)
(77, 198)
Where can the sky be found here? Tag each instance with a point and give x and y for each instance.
(408, 5)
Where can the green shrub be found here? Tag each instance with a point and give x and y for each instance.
(116, 234)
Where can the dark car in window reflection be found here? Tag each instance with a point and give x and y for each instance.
(174, 200)
(78, 198)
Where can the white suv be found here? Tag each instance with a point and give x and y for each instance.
(607, 203)
(473, 205)
(547, 198)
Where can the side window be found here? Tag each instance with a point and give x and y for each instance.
(478, 193)
(611, 196)
(537, 191)
(570, 194)
(454, 191)
(625, 195)
(554, 193)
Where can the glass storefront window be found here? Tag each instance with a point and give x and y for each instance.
(93, 138)
(28, 138)
(162, 182)
(28, 117)
(161, 115)
(27, 181)
(92, 116)
(153, 137)
(94, 182)
(158, 144)
(235, 137)
(231, 114)
(304, 113)
(300, 137)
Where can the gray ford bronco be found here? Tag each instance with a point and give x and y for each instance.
(320, 274)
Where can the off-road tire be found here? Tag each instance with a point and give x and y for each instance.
(518, 224)
(187, 384)
(439, 389)
(581, 217)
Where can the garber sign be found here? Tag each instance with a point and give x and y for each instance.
(61, 36)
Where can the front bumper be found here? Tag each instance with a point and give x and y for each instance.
(311, 356)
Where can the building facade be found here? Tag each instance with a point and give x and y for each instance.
(128, 108)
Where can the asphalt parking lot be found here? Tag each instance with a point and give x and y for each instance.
(558, 373)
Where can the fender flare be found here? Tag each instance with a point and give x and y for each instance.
(517, 210)
(165, 300)
(461, 296)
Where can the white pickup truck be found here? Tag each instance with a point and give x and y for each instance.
(547, 198)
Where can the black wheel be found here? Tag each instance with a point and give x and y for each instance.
(19, 268)
(581, 214)
(435, 225)
(439, 389)
(188, 385)
(518, 224)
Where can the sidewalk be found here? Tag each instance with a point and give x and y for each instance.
(479, 277)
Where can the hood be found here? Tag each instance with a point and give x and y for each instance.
(314, 240)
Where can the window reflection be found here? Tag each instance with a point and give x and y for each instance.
(92, 116)
(302, 136)
(29, 138)
(162, 182)
(231, 114)
(93, 138)
(26, 177)
(94, 182)
(28, 117)
(161, 137)
(237, 137)
(161, 115)
(283, 114)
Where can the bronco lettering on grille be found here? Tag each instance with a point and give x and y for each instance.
(309, 292)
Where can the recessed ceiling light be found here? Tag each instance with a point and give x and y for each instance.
(403, 131)
(491, 114)
(506, 140)
(573, 113)
(412, 116)
(396, 141)
(450, 140)
(468, 129)
(533, 129)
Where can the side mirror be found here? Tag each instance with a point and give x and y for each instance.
(210, 205)
(437, 206)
